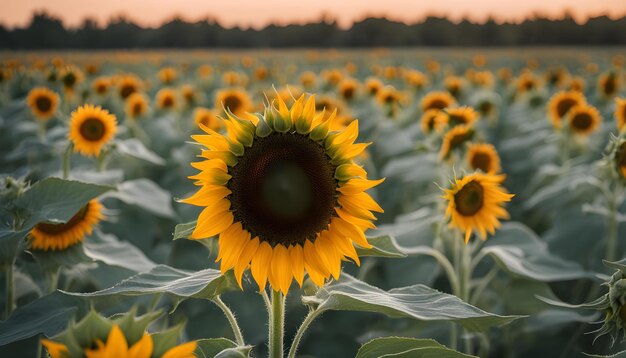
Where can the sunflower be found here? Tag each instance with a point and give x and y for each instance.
(307, 79)
(432, 120)
(348, 88)
(620, 160)
(483, 157)
(561, 103)
(620, 113)
(55, 237)
(261, 73)
(70, 77)
(166, 99)
(556, 76)
(205, 71)
(168, 75)
(235, 100)
(433, 66)
(608, 84)
(475, 203)
(91, 69)
(189, 94)
(91, 128)
(577, 83)
(483, 79)
(232, 78)
(465, 115)
(43, 102)
(127, 85)
(117, 346)
(454, 85)
(505, 74)
(584, 119)
(416, 79)
(436, 100)
(479, 60)
(101, 85)
(454, 139)
(207, 118)
(527, 81)
(390, 72)
(389, 95)
(284, 195)
(332, 76)
(136, 105)
(373, 85)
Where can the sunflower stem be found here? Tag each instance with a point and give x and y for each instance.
(66, 160)
(8, 304)
(230, 316)
(303, 327)
(277, 325)
(611, 244)
(53, 280)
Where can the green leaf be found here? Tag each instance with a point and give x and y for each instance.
(383, 246)
(418, 302)
(147, 195)
(220, 347)
(181, 284)
(162, 341)
(518, 250)
(134, 148)
(184, 231)
(48, 315)
(56, 200)
(10, 242)
(407, 347)
(110, 250)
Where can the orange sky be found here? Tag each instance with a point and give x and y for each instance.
(260, 12)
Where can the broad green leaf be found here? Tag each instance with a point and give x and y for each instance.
(57, 200)
(134, 148)
(211, 347)
(181, 284)
(48, 315)
(519, 251)
(418, 302)
(147, 195)
(407, 347)
(184, 231)
(110, 250)
(10, 242)
(383, 246)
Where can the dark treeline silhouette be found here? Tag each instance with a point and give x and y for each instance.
(48, 32)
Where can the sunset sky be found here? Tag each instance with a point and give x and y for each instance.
(259, 13)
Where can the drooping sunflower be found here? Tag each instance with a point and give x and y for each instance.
(56, 237)
(608, 84)
(207, 118)
(127, 85)
(455, 139)
(483, 157)
(584, 119)
(620, 113)
(235, 100)
(91, 128)
(561, 103)
(432, 120)
(117, 345)
(136, 105)
(475, 203)
(166, 99)
(465, 115)
(43, 102)
(437, 100)
(284, 195)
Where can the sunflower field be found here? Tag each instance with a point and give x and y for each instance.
(313, 203)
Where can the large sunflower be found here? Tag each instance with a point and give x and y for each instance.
(43, 102)
(91, 128)
(475, 203)
(53, 237)
(284, 195)
(437, 100)
(117, 346)
(484, 157)
(561, 103)
(584, 119)
(620, 113)
(236, 101)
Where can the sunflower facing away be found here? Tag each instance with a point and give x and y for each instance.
(483, 157)
(475, 203)
(620, 113)
(284, 195)
(373, 85)
(608, 84)
(54, 237)
(561, 103)
(584, 119)
(117, 346)
(43, 102)
(91, 128)
(437, 100)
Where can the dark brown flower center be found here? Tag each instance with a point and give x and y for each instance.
(43, 103)
(564, 106)
(54, 229)
(127, 89)
(620, 160)
(485, 107)
(137, 108)
(283, 189)
(469, 200)
(582, 121)
(436, 103)
(92, 129)
(69, 80)
(610, 85)
(481, 161)
(348, 92)
(457, 119)
(168, 102)
(232, 103)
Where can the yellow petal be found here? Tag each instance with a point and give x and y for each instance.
(181, 351)
(260, 264)
(141, 349)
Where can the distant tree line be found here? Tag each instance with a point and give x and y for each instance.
(48, 32)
